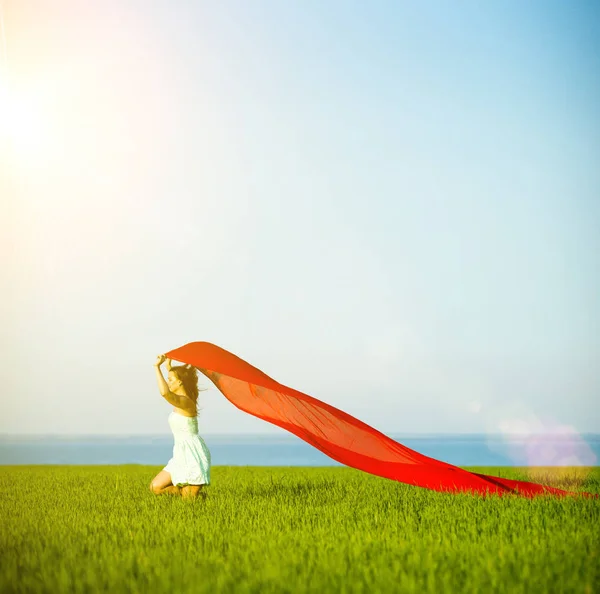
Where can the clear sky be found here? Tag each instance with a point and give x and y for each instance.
(391, 206)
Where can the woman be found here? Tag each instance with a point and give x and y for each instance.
(189, 468)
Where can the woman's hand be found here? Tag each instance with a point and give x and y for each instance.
(159, 360)
(169, 364)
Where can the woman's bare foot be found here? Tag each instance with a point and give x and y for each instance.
(192, 491)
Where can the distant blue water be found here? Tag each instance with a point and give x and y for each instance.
(257, 450)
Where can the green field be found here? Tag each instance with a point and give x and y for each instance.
(99, 529)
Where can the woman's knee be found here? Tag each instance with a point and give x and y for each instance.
(160, 481)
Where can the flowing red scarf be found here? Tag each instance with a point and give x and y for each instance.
(336, 433)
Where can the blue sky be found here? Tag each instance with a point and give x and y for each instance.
(391, 207)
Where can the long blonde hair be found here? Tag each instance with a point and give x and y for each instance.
(188, 376)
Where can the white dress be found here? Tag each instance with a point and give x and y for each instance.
(190, 464)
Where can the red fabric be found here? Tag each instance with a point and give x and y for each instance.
(334, 432)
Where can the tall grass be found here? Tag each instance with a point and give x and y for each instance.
(263, 529)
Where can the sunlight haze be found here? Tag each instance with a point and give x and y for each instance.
(390, 206)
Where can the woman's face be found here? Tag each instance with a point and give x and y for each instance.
(173, 381)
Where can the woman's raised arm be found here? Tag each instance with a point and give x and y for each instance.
(162, 384)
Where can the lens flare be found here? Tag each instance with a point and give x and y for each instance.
(549, 452)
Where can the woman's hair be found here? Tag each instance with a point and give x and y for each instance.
(189, 378)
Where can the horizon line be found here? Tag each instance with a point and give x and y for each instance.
(291, 435)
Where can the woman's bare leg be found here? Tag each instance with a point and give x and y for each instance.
(161, 484)
(191, 491)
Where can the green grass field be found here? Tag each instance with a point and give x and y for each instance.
(99, 529)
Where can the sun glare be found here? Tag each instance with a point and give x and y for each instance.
(21, 124)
